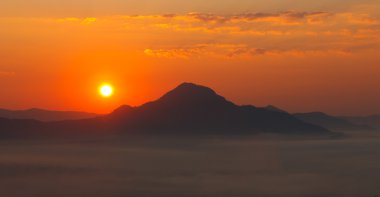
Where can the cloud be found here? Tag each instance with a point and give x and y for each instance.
(248, 51)
(84, 21)
(255, 34)
(173, 53)
(88, 21)
(361, 19)
(282, 18)
(288, 24)
(214, 21)
(221, 50)
(230, 36)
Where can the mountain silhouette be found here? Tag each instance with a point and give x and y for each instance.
(274, 108)
(19, 128)
(331, 122)
(187, 109)
(373, 120)
(45, 115)
(191, 108)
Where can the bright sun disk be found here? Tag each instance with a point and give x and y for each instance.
(106, 90)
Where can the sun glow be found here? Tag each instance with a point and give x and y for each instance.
(106, 90)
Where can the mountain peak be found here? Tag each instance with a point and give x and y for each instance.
(192, 93)
(195, 88)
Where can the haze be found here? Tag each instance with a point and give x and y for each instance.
(165, 166)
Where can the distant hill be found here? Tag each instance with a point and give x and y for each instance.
(331, 122)
(45, 115)
(274, 108)
(373, 121)
(191, 108)
(187, 109)
(18, 127)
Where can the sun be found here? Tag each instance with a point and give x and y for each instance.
(106, 90)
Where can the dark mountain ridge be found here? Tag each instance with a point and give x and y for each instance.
(274, 108)
(193, 108)
(331, 122)
(45, 115)
(187, 109)
(373, 120)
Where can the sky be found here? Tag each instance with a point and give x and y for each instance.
(298, 55)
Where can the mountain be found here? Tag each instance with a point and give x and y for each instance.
(192, 108)
(45, 115)
(187, 109)
(18, 128)
(274, 108)
(28, 128)
(373, 121)
(331, 122)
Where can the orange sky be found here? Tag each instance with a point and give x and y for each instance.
(298, 56)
